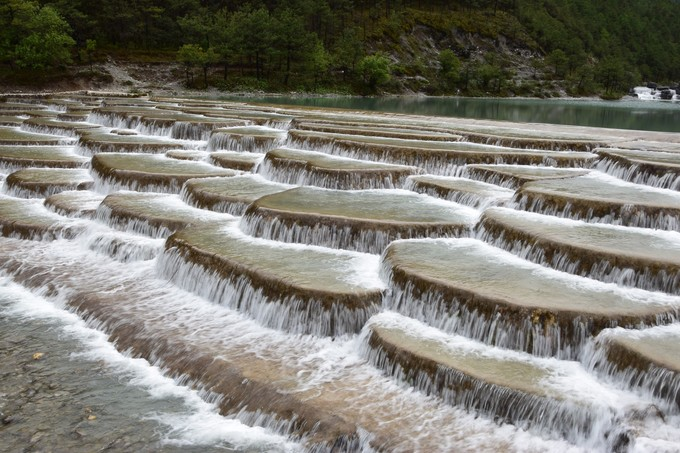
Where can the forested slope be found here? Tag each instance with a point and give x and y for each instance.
(499, 47)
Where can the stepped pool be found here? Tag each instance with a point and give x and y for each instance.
(183, 275)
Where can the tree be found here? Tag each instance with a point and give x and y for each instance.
(348, 51)
(192, 55)
(255, 29)
(291, 39)
(559, 61)
(449, 68)
(87, 53)
(48, 43)
(375, 70)
(189, 56)
(319, 61)
(610, 72)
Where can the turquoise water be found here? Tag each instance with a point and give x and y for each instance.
(624, 114)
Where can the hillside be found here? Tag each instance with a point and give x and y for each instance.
(471, 47)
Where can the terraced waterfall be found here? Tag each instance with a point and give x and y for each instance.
(258, 278)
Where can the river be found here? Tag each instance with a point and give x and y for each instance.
(628, 113)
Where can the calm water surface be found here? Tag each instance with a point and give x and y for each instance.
(624, 114)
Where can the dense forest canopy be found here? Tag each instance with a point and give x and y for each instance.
(606, 45)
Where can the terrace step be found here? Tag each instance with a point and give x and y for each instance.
(150, 172)
(299, 167)
(298, 289)
(644, 258)
(470, 288)
(43, 182)
(600, 198)
(363, 220)
(232, 195)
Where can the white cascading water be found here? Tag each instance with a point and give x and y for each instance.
(117, 287)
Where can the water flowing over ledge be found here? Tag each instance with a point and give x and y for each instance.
(353, 281)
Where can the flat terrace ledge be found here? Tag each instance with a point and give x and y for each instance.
(301, 167)
(601, 198)
(434, 157)
(511, 387)
(41, 156)
(653, 168)
(643, 258)
(257, 139)
(57, 126)
(15, 136)
(646, 359)
(518, 141)
(306, 290)
(369, 129)
(153, 214)
(465, 191)
(29, 219)
(43, 182)
(514, 176)
(151, 172)
(467, 287)
(118, 141)
(232, 194)
(242, 161)
(365, 220)
(77, 203)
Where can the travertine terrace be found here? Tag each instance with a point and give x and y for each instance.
(360, 281)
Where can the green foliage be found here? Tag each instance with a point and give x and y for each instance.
(48, 44)
(87, 53)
(321, 43)
(559, 61)
(449, 68)
(193, 55)
(375, 71)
